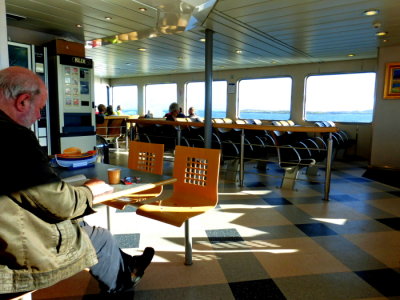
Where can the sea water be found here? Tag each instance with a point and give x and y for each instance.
(352, 117)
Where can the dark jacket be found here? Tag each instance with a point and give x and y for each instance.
(169, 117)
(41, 242)
(100, 118)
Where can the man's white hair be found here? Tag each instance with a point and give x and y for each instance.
(15, 81)
(174, 107)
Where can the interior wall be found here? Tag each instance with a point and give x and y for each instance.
(385, 152)
(360, 132)
(26, 36)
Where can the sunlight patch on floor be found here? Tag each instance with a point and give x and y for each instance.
(331, 221)
(244, 192)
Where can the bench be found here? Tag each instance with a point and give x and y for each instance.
(113, 129)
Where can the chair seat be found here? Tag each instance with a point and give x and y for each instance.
(171, 214)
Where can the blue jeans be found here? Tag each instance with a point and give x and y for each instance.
(113, 267)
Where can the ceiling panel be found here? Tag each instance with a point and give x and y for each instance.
(268, 32)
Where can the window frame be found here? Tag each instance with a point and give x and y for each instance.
(202, 108)
(114, 104)
(268, 77)
(338, 73)
(145, 99)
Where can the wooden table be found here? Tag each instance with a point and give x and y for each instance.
(99, 171)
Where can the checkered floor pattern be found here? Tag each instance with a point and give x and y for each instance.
(262, 242)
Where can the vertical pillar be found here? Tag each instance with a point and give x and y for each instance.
(241, 171)
(4, 63)
(328, 168)
(208, 88)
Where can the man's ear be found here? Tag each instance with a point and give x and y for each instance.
(21, 103)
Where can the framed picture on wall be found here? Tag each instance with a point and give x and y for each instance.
(391, 89)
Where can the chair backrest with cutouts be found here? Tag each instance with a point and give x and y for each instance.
(147, 157)
(197, 171)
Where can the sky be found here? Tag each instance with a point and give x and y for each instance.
(339, 92)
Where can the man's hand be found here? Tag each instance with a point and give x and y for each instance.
(98, 187)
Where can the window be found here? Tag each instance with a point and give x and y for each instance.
(195, 96)
(159, 97)
(127, 98)
(340, 97)
(265, 98)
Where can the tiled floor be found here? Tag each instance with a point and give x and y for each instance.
(262, 242)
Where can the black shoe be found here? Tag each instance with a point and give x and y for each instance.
(140, 263)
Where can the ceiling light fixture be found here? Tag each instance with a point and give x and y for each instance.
(381, 33)
(238, 51)
(371, 12)
(142, 9)
(142, 49)
(78, 25)
(351, 55)
(108, 18)
(202, 40)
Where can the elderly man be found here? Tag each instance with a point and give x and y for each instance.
(42, 236)
(173, 112)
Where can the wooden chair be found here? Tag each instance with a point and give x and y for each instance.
(112, 129)
(116, 130)
(101, 128)
(195, 192)
(146, 157)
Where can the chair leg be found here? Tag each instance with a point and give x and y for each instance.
(116, 143)
(108, 218)
(232, 167)
(289, 179)
(312, 170)
(188, 245)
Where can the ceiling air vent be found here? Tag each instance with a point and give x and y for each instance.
(15, 17)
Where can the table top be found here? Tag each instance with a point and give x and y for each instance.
(99, 171)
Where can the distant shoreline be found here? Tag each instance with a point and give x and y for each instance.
(314, 112)
(351, 117)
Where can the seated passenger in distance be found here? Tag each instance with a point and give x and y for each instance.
(173, 112)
